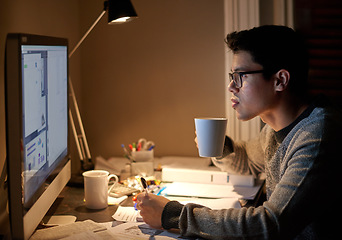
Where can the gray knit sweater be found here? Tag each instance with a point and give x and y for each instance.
(302, 164)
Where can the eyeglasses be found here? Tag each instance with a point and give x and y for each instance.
(236, 77)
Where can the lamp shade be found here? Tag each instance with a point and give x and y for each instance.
(120, 11)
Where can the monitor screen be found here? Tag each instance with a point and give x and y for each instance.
(45, 109)
(36, 79)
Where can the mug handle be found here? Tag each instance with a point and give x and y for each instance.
(116, 181)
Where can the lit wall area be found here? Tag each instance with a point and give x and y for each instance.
(150, 77)
(52, 18)
(147, 78)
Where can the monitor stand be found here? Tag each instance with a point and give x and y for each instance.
(57, 220)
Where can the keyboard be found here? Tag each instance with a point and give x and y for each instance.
(120, 190)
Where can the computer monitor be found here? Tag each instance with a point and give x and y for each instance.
(36, 94)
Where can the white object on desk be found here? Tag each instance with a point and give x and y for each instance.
(210, 190)
(96, 188)
(206, 176)
(143, 156)
(142, 168)
(92, 230)
(212, 203)
(127, 214)
(87, 227)
(57, 220)
(137, 231)
(116, 201)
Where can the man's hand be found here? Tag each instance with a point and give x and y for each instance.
(196, 139)
(151, 208)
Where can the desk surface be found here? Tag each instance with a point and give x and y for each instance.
(70, 202)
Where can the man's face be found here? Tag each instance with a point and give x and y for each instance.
(256, 97)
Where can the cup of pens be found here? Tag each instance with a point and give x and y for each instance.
(141, 156)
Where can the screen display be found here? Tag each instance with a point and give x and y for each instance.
(45, 113)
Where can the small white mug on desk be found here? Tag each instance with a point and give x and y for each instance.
(210, 136)
(96, 188)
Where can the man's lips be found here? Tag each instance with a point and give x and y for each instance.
(235, 102)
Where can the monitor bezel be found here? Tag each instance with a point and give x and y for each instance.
(24, 221)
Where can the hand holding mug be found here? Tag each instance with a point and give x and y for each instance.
(210, 136)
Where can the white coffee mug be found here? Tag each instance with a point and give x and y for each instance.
(210, 136)
(96, 188)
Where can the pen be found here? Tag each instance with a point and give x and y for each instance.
(127, 154)
(134, 199)
(139, 146)
(160, 191)
(144, 183)
(125, 150)
(151, 147)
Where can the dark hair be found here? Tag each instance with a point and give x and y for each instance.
(275, 48)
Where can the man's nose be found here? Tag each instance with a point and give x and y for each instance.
(232, 87)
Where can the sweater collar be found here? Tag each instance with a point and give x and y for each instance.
(281, 134)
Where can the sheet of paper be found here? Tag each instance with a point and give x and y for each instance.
(210, 190)
(87, 228)
(136, 231)
(127, 214)
(90, 235)
(215, 204)
(116, 201)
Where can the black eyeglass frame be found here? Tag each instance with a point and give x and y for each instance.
(238, 84)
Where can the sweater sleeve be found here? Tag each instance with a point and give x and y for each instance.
(244, 157)
(170, 215)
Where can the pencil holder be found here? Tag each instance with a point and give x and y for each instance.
(143, 169)
(143, 163)
(143, 156)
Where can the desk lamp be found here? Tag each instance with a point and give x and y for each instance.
(119, 11)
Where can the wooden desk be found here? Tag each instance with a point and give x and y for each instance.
(70, 202)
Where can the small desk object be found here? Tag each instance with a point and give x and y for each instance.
(71, 202)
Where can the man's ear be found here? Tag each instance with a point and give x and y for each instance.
(282, 79)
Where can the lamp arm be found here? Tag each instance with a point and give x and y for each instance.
(87, 33)
(80, 139)
(75, 136)
(82, 135)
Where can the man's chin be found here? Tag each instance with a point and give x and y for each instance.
(243, 117)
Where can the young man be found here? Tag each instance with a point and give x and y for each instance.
(297, 149)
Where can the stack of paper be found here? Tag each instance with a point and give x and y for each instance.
(210, 190)
(206, 176)
(213, 203)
